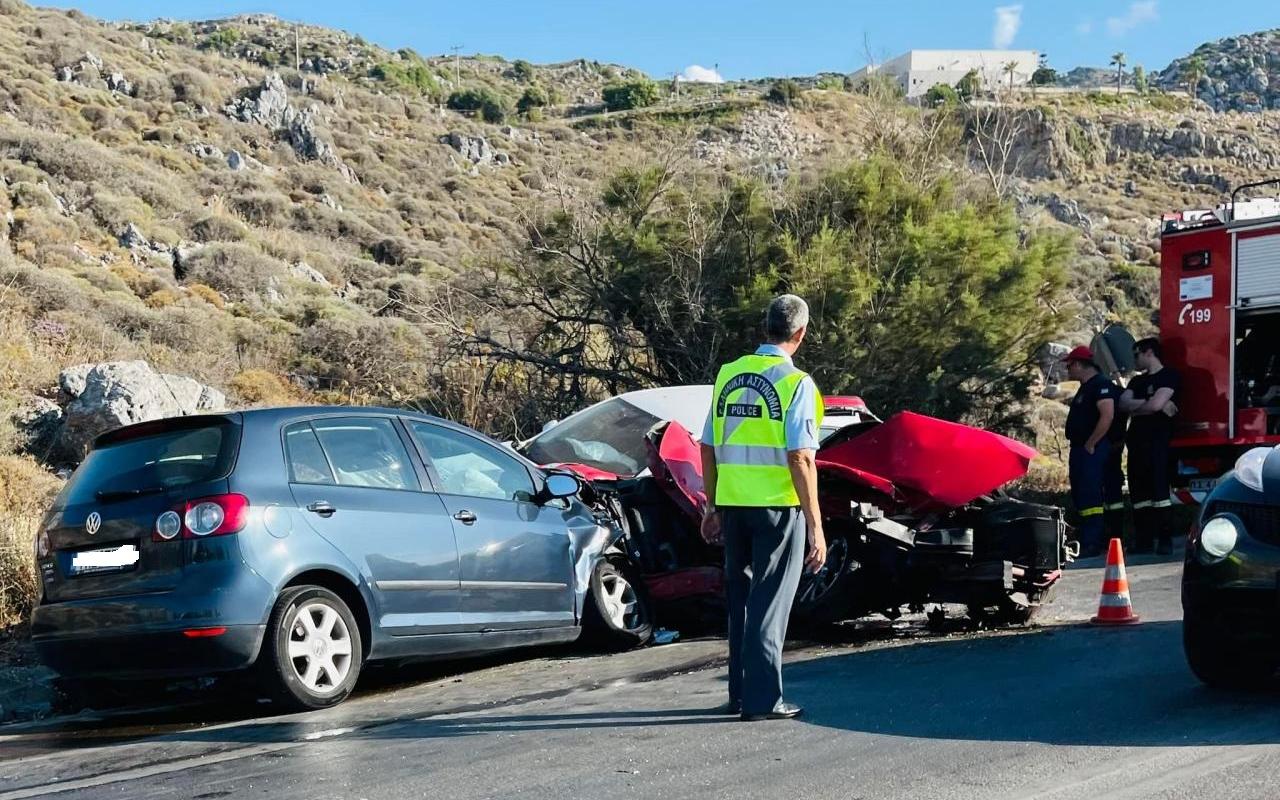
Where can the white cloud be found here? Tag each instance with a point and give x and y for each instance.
(697, 74)
(1084, 27)
(1140, 13)
(1008, 20)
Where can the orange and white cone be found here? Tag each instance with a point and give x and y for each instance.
(1114, 606)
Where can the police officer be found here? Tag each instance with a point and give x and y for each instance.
(1150, 400)
(758, 465)
(1088, 425)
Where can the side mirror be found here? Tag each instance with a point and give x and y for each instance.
(559, 485)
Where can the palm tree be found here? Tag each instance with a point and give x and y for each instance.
(1118, 61)
(1193, 70)
(1010, 67)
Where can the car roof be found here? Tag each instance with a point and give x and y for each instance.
(275, 415)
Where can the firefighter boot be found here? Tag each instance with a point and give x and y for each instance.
(1161, 519)
(1113, 523)
(1144, 533)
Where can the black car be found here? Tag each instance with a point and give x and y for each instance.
(1231, 581)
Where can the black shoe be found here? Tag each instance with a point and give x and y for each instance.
(780, 711)
(730, 708)
(1164, 547)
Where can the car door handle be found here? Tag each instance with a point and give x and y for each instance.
(322, 508)
(465, 517)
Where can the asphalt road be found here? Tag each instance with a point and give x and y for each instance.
(1061, 710)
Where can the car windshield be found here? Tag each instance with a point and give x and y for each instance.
(161, 462)
(608, 436)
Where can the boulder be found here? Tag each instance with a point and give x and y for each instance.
(106, 396)
(304, 271)
(119, 84)
(235, 161)
(37, 421)
(266, 104)
(476, 149)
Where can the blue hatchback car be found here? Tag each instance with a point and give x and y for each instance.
(305, 542)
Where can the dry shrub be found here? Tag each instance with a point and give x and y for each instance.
(217, 228)
(262, 208)
(257, 387)
(25, 492)
(162, 298)
(236, 270)
(207, 294)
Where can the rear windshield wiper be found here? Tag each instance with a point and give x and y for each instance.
(108, 495)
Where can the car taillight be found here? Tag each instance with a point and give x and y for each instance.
(205, 516)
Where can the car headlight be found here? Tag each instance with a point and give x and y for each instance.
(1249, 467)
(1218, 537)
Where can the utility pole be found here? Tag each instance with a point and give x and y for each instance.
(457, 66)
(716, 88)
(297, 48)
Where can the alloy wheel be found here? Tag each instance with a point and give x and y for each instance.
(620, 600)
(320, 648)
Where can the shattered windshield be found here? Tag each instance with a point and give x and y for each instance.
(609, 436)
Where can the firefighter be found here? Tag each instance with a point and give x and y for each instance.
(758, 464)
(1113, 476)
(1089, 422)
(1151, 402)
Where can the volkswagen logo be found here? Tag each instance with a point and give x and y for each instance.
(92, 523)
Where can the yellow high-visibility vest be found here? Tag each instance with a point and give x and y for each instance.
(749, 404)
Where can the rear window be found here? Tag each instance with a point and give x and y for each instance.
(167, 460)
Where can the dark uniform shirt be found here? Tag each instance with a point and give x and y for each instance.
(1083, 416)
(1144, 387)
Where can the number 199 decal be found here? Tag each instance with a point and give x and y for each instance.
(1194, 316)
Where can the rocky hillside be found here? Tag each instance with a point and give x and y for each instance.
(1239, 73)
(250, 211)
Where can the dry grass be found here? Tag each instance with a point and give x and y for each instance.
(25, 492)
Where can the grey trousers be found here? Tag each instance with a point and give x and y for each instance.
(763, 555)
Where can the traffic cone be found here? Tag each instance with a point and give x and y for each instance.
(1114, 606)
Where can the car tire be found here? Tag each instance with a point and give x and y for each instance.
(312, 651)
(1221, 663)
(617, 614)
(823, 598)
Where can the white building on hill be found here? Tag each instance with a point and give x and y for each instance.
(919, 70)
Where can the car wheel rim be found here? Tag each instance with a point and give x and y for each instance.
(620, 602)
(320, 648)
(817, 586)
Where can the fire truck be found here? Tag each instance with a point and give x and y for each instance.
(1220, 327)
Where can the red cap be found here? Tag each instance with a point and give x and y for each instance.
(1081, 353)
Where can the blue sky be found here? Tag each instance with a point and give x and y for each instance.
(750, 38)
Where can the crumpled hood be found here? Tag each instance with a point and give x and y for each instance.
(930, 459)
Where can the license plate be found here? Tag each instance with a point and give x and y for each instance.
(1203, 484)
(105, 559)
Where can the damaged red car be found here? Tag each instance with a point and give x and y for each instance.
(912, 508)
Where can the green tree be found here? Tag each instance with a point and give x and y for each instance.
(784, 92)
(831, 83)
(1193, 71)
(523, 71)
(630, 94)
(411, 75)
(940, 94)
(1140, 82)
(970, 85)
(491, 106)
(923, 295)
(1118, 61)
(1010, 68)
(534, 97)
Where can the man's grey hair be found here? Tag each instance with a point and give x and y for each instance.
(787, 314)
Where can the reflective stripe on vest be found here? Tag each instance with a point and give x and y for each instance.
(749, 408)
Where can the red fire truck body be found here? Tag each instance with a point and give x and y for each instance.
(1220, 327)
